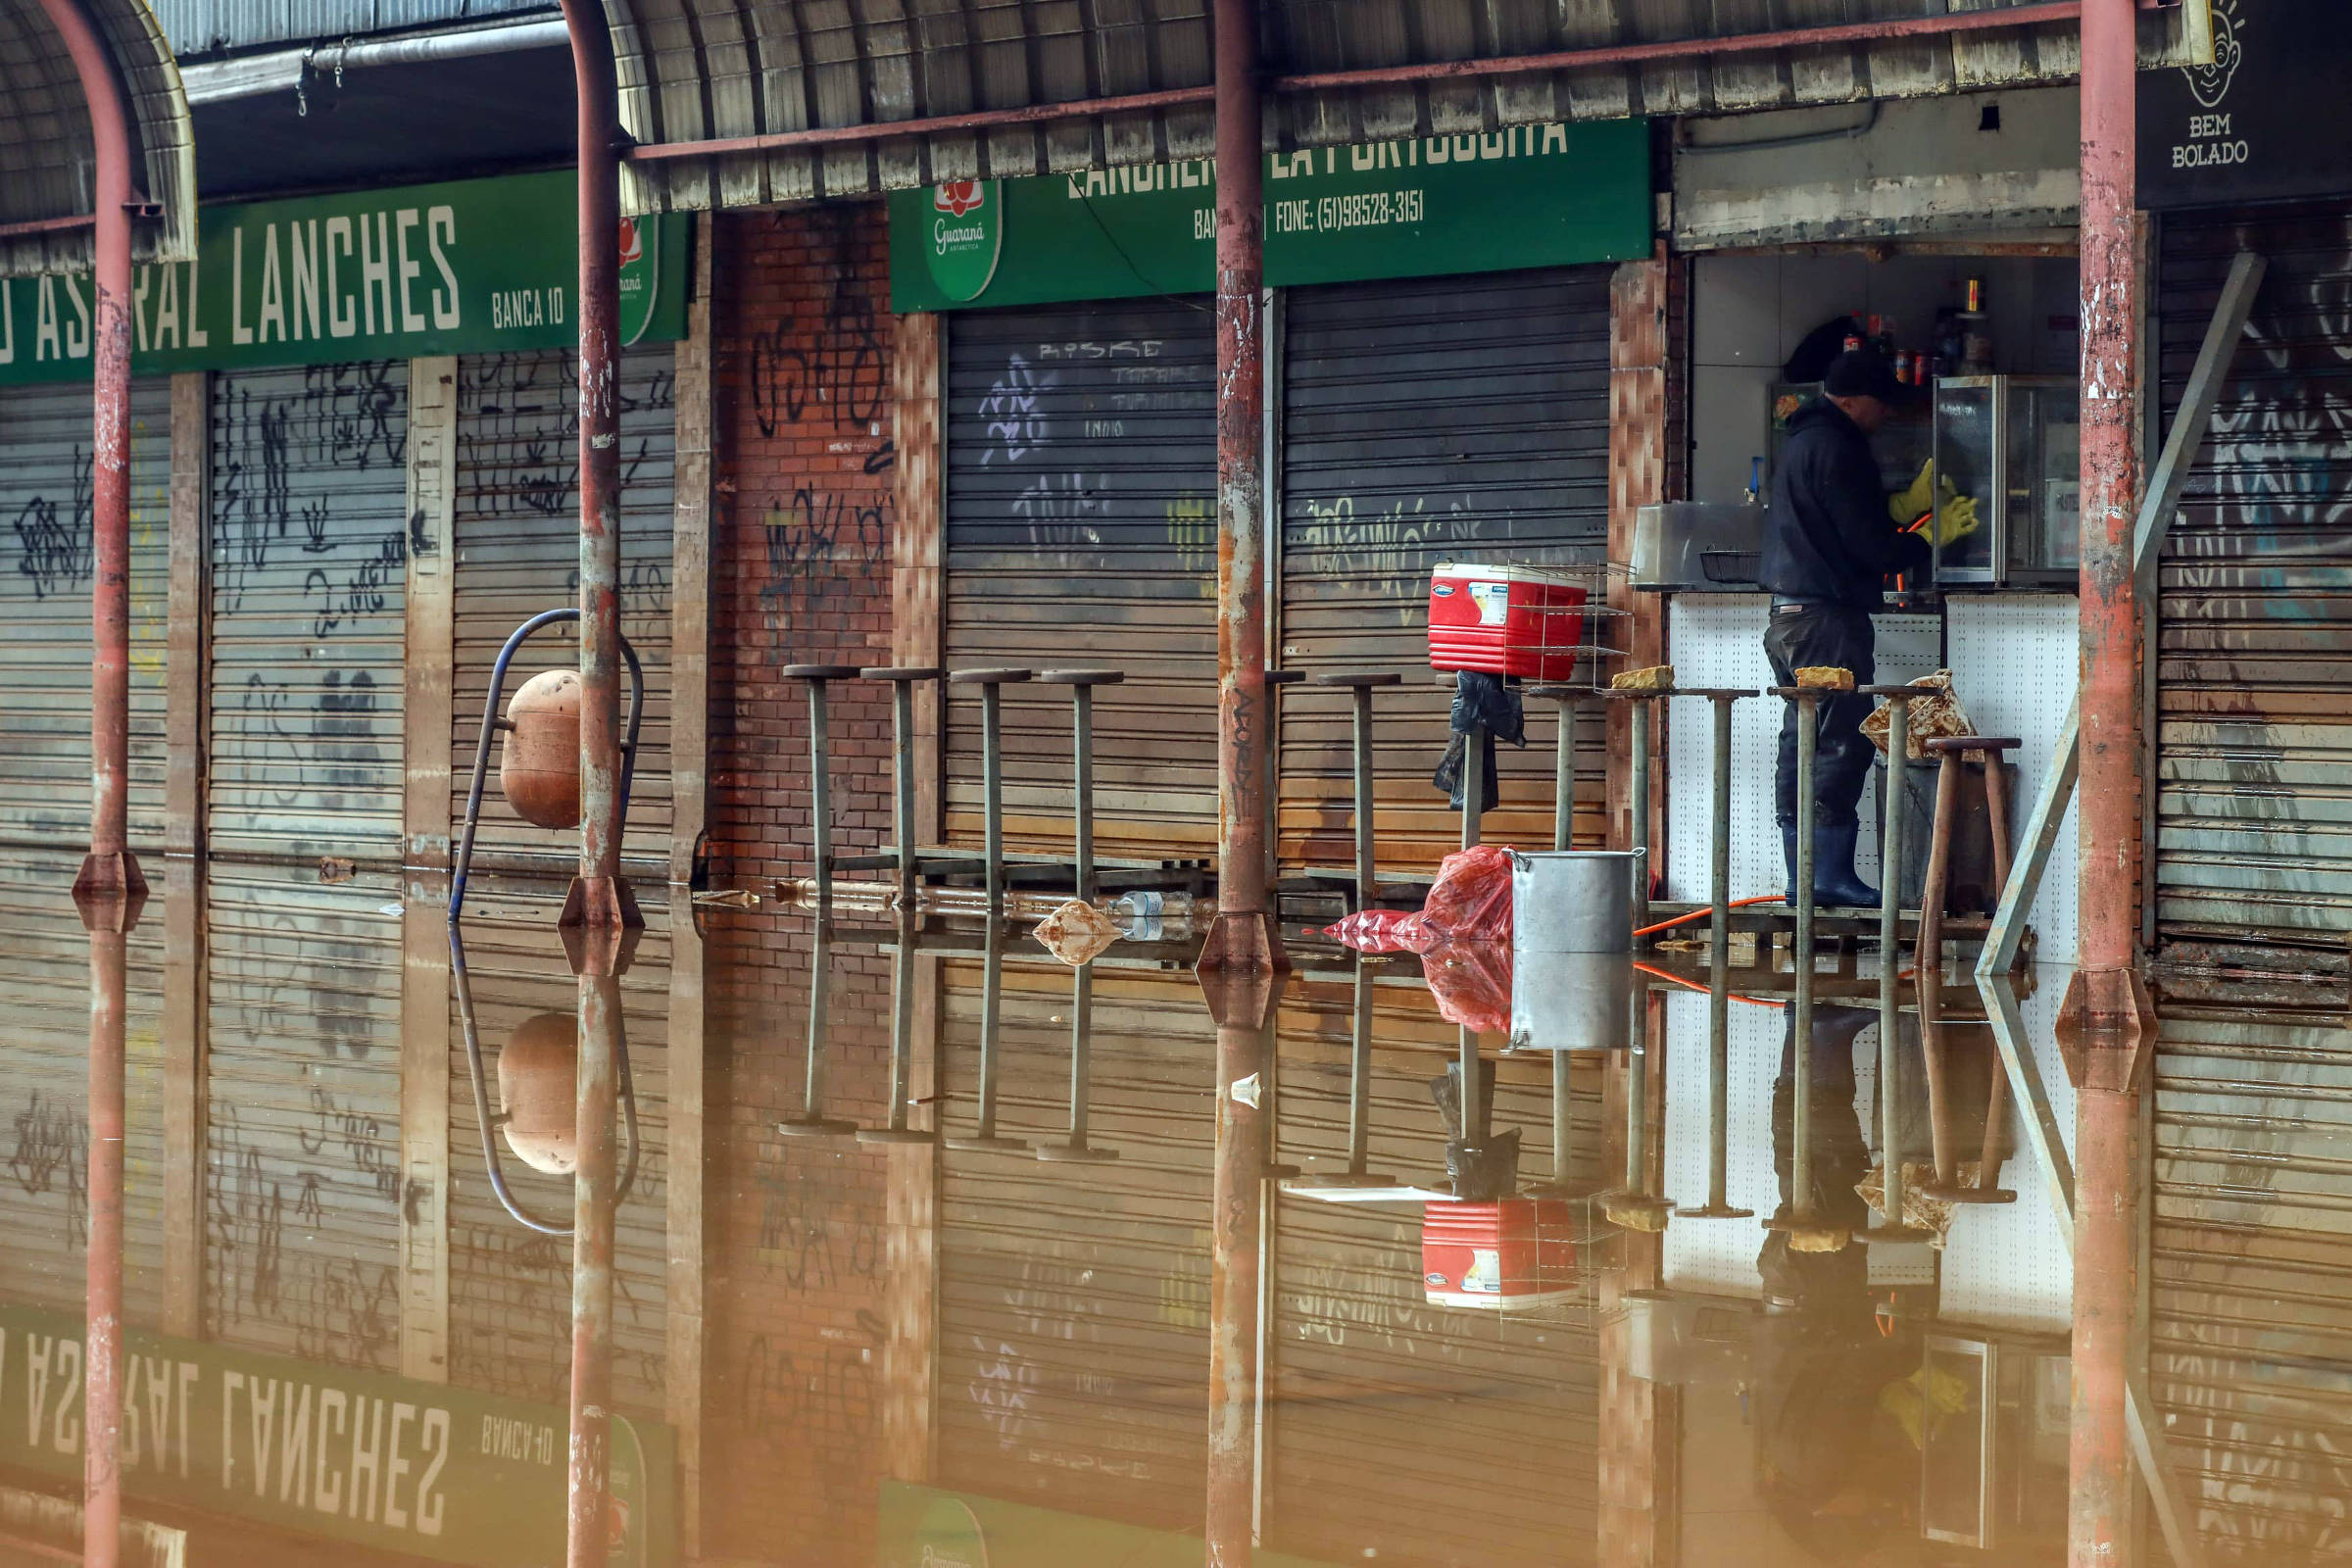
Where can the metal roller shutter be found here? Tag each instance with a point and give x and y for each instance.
(510, 1288)
(2254, 823)
(2252, 1238)
(1458, 419)
(1074, 1299)
(308, 564)
(44, 1058)
(302, 1207)
(518, 553)
(45, 573)
(1082, 530)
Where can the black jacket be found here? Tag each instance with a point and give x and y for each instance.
(1828, 535)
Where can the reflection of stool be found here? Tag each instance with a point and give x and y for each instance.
(991, 995)
(1082, 684)
(902, 1042)
(1359, 1099)
(1076, 1149)
(992, 768)
(1934, 1040)
(812, 1122)
(820, 784)
(1951, 752)
(901, 680)
(1360, 684)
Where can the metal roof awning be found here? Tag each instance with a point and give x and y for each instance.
(734, 103)
(47, 181)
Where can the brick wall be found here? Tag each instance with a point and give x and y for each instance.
(802, 554)
(801, 574)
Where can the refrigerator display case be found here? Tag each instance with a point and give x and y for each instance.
(2012, 445)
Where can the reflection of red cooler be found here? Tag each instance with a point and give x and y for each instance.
(1518, 1251)
(1506, 620)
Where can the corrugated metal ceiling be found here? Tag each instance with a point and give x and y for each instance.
(695, 70)
(45, 136)
(200, 27)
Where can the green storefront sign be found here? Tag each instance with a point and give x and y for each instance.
(470, 267)
(1524, 196)
(401, 1466)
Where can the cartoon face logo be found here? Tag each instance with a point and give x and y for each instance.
(2211, 84)
(957, 196)
(632, 243)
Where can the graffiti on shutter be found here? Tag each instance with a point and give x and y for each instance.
(1082, 530)
(46, 563)
(309, 587)
(518, 553)
(1460, 418)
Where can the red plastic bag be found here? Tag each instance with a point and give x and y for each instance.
(1471, 981)
(1471, 898)
(1373, 930)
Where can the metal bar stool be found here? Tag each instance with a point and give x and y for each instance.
(1638, 780)
(1719, 959)
(1360, 685)
(812, 1122)
(1571, 701)
(1075, 1150)
(1082, 684)
(906, 862)
(1951, 754)
(1898, 700)
(1276, 680)
(902, 1042)
(992, 766)
(820, 781)
(991, 960)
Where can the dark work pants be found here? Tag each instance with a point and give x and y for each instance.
(1805, 638)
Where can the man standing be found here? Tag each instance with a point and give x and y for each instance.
(1830, 545)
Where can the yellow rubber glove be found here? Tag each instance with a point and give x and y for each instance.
(1955, 516)
(1907, 506)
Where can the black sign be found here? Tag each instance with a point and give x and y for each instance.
(2265, 121)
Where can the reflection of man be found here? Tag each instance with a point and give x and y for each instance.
(1828, 1467)
(1829, 546)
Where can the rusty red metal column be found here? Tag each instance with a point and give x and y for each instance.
(1244, 936)
(599, 897)
(593, 1198)
(110, 868)
(2109, 1074)
(1243, 1005)
(107, 919)
(2106, 993)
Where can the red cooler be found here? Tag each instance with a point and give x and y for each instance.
(1518, 1251)
(1505, 621)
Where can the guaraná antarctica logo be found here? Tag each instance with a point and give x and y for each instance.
(966, 235)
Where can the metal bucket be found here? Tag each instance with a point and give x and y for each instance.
(1574, 901)
(1570, 1000)
(1572, 940)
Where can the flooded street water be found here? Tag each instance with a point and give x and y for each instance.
(1056, 1266)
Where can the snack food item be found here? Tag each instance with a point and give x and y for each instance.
(1656, 678)
(1826, 677)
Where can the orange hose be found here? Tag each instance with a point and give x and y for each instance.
(1701, 914)
(1692, 985)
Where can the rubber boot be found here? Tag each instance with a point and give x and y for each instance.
(1834, 882)
(1789, 858)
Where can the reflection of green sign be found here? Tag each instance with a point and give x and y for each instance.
(963, 235)
(1524, 196)
(922, 1527)
(419, 1468)
(474, 267)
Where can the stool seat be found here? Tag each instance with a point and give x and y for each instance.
(1358, 677)
(1285, 678)
(1732, 693)
(987, 677)
(900, 672)
(821, 671)
(1901, 689)
(1974, 742)
(1071, 1154)
(1808, 691)
(1080, 677)
(1553, 691)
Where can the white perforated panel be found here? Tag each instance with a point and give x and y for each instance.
(1719, 1255)
(1718, 640)
(2015, 660)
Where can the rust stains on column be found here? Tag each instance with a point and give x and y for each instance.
(1244, 936)
(2104, 994)
(598, 896)
(110, 868)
